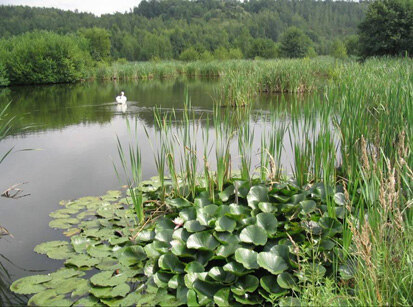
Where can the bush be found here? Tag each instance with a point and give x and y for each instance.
(189, 54)
(44, 57)
(99, 42)
(235, 53)
(338, 50)
(4, 81)
(294, 43)
(264, 48)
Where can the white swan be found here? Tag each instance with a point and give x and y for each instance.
(122, 98)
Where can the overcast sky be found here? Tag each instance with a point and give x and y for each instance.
(93, 6)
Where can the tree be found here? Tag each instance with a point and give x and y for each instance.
(294, 43)
(99, 42)
(387, 28)
(264, 48)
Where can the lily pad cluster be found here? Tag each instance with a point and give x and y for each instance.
(248, 244)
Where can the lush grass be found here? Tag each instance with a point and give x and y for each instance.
(356, 131)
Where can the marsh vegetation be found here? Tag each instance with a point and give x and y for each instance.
(227, 221)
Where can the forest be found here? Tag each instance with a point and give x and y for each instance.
(165, 29)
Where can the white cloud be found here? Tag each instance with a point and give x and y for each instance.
(97, 7)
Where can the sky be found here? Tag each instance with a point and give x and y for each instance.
(96, 7)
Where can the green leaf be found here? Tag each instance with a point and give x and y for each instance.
(194, 226)
(49, 298)
(239, 210)
(267, 207)
(202, 240)
(161, 279)
(268, 222)
(307, 206)
(179, 203)
(44, 248)
(192, 298)
(221, 297)
(333, 226)
(286, 281)
(194, 267)
(164, 235)
(247, 258)
(145, 236)
(235, 268)
(108, 292)
(340, 199)
(82, 260)
(80, 243)
(227, 250)
(225, 223)
(221, 276)
(30, 284)
(248, 299)
(247, 283)
(176, 281)
(88, 301)
(253, 234)
(170, 262)
(272, 262)
(131, 255)
(269, 284)
(257, 194)
(108, 279)
(226, 194)
(179, 248)
(99, 251)
(180, 234)
(206, 288)
(207, 215)
(188, 214)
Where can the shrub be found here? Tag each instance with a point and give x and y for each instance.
(4, 81)
(294, 43)
(44, 57)
(189, 54)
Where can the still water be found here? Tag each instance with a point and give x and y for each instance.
(73, 129)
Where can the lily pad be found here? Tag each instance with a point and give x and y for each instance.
(225, 223)
(82, 260)
(170, 262)
(257, 194)
(268, 222)
(272, 262)
(49, 298)
(110, 292)
(253, 234)
(247, 258)
(30, 284)
(108, 279)
(202, 240)
(247, 283)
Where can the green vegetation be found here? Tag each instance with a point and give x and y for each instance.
(294, 43)
(339, 230)
(387, 29)
(44, 57)
(165, 29)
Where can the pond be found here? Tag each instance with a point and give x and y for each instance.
(73, 129)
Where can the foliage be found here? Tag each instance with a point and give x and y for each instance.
(294, 43)
(387, 29)
(99, 42)
(44, 57)
(203, 25)
(189, 54)
(4, 81)
(214, 255)
(338, 50)
(264, 48)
